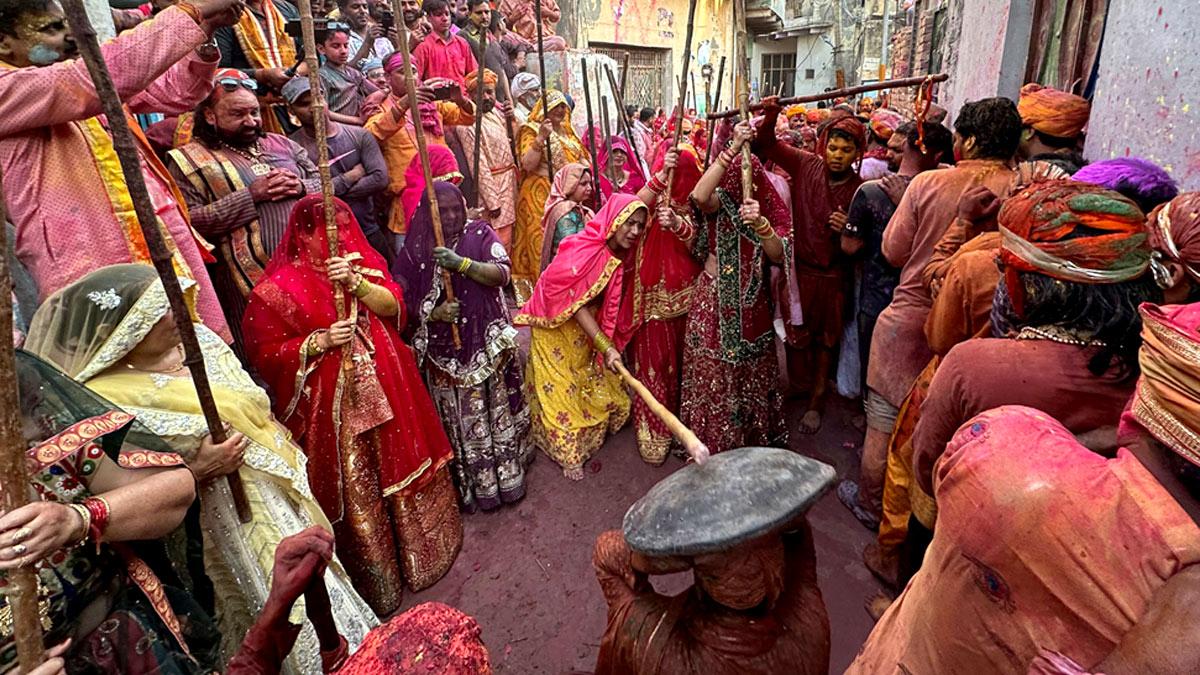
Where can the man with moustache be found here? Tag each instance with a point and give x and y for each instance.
(240, 184)
(66, 194)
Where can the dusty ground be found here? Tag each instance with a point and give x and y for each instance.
(525, 571)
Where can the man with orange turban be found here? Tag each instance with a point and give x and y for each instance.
(496, 184)
(1053, 126)
(882, 125)
(822, 186)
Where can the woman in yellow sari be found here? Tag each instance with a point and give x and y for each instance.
(114, 332)
(553, 128)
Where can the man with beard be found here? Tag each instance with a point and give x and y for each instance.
(66, 194)
(260, 47)
(497, 183)
(368, 39)
(822, 187)
(240, 184)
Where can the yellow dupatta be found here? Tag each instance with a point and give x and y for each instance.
(270, 48)
(565, 145)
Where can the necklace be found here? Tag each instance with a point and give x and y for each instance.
(164, 371)
(258, 166)
(1057, 334)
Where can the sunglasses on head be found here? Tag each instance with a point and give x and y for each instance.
(232, 83)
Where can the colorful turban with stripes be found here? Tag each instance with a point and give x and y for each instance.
(1175, 237)
(885, 122)
(1071, 231)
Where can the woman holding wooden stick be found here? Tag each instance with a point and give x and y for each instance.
(114, 332)
(551, 128)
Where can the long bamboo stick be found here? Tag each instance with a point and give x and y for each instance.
(607, 168)
(308, 34)
(742, 91)
(624, 74)
(591, 139)
(838, 93)
(683, 87)
(22, 595)
(716, 103)
(435, 215)
(537, 8)
(623, 121)
(508, 130)
(695, 449)
(483, 32)
(160, 255)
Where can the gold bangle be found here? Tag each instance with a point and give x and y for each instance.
(312, 345)
(86, 517)
(362, 288)
(602, 342)
(464, 265)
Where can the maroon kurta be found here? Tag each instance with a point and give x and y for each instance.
(820, 269)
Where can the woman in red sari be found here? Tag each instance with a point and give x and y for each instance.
(377, 453)
(731, 395)
(661, 291)
(618, 170)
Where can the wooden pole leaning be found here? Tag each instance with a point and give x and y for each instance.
(623, 123)
(479, 87)
(22, 592)
(742, 91)
(410, 90)
(541, 46)
(695, 449)
(683, 87)
(127, 154)
(716, 102)
(591, 139)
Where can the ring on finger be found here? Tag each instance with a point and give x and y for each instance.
(21, 535)
(18, 549)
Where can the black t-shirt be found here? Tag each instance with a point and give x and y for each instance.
(870, 211)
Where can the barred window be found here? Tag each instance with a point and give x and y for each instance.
(778, 69)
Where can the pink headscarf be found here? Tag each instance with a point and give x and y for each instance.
(637, 179)
(583, 269)
(560, 203)
(442, 165)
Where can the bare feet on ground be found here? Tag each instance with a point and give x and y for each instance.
(811, 422)
(574, 473)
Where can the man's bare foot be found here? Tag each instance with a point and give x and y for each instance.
(887, 571)
(811, 422)
(878, 604)
(573, 472)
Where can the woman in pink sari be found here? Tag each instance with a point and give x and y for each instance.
(377, 452)
(566, 208)
(575, 401)
(444, 168)
(618, 170)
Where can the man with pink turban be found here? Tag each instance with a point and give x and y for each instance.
(882, 125)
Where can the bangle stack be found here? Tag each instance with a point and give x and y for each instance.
(362, 288)
(464, 265)
(762, 228)
(657, 186)
(312, 345)
(726, 157)
(97, 508)
(601, 342)
(86, 517)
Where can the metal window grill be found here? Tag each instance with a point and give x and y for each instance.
(644, 86)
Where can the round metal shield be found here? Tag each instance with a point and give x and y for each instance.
(736, 496)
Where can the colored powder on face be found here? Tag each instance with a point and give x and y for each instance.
(41, 55)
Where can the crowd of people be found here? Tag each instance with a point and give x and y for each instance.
(1015, 321)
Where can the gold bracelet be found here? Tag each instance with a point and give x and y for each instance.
(86, 516)
(362, 288)
(464, 265)
(312, 346)
(192, 11)
(602, 342)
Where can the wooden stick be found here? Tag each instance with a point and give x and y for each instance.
(591, 140)
(508, 130)
(479, 117)
(14, 481)
(607, 168)
(838, 93)
(695, 449)
(623, 122)
(707, 94)
(320, 122)
(683, 82)
(537, 8)
(624, 74)
(414, 112)
(742, 92)
(131, 168)
(716, 102)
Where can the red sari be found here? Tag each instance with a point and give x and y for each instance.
(660, 293)
(377, 453)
